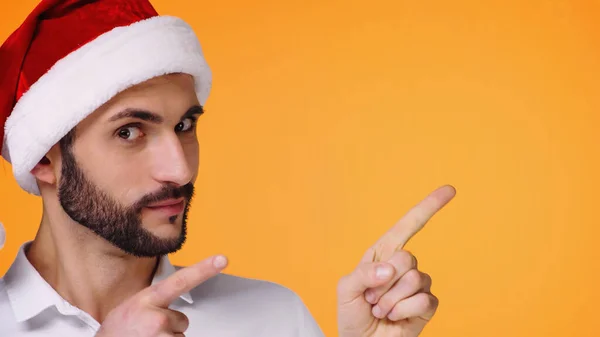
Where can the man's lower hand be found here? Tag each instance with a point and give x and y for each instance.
(147, 313)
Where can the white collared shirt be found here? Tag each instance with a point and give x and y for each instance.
(224, 306)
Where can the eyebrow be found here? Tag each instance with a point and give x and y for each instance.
(149, 116)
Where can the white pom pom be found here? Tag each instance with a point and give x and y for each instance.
(2, 235)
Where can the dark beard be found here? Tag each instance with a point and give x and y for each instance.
(87, 205)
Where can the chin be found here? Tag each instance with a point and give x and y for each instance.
(166, 232)
(164, 228)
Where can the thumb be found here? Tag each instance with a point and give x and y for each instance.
(365, 276)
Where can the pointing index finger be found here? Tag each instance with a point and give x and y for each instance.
(412, 222)
(168, 290)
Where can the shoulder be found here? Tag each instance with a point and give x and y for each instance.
(247, 291)
(7, 318)
(259, 307)
(3, 292)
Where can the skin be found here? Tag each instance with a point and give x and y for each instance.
(399, 302)
(134, 167)
(154, 155)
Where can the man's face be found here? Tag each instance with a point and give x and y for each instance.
(127, 172)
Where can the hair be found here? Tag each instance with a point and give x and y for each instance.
(66, 142)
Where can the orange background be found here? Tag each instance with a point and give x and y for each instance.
(329, 119)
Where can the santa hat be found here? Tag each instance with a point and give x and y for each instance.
(71, 56)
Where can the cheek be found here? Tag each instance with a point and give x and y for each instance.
(191, 150)
(116, 174)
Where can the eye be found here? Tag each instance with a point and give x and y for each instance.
(130, 133)
(184, 125)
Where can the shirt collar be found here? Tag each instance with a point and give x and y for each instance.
(29, 294)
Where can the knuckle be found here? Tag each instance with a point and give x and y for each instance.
(203, 271)
(363, 273)
(427, 302)
(413, 278)
(179, 282)
(434, 302)
(159, 321)
(368, 273)
(419, 216)
(395, 315)
(427, 278)
(405, 260)
(386, 303)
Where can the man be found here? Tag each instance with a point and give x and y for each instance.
(99, 105)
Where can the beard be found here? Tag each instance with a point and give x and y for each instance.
(120, 225)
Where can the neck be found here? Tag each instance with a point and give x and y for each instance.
(84, 269)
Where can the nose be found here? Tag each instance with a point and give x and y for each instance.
(170, 163)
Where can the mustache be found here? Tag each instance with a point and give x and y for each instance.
(166, 192)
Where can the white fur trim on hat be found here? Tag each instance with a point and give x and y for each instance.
(88, 77)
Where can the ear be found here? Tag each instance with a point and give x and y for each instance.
(44, 172)
(45, 169)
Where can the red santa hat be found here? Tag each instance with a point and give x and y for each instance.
(71, 56)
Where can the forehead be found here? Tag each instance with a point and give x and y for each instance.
(166, 95)
(180, 82)
(167, 89)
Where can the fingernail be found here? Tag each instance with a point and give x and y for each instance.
(377, 311)
(219, 262)
(370, 296)
(383, 272)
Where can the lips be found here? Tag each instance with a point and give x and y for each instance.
(168, 207)
(168, 202)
